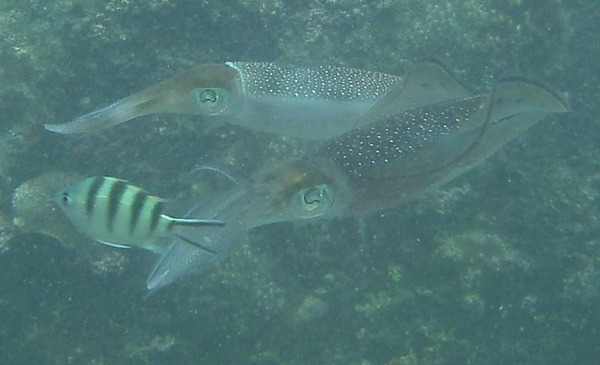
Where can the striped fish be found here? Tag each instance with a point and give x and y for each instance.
(118, 214)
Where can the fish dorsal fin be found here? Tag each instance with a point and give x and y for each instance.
(426, 83)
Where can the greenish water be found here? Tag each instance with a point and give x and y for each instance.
(501, 266)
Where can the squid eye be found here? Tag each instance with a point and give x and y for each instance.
(313, 196)
(66, 199)
(208, 96)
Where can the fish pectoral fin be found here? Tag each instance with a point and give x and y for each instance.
(116, 245)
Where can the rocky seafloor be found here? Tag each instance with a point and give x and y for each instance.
(501, 266)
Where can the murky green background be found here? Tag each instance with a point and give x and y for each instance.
(502, 266)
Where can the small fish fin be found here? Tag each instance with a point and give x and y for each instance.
(426, 83)
(189, 222)
(158, 199)
(113, 244)
(115, 179)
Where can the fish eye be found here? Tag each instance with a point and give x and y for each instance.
(208, 96)
(313, 196)
(209, 101)
(313, 201)
(66, 199)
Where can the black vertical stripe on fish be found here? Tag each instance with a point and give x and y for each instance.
(156, 213)
(114, 201)
(92, 193)
(138, 204)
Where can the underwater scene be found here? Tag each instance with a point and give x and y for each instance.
(392, 182)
